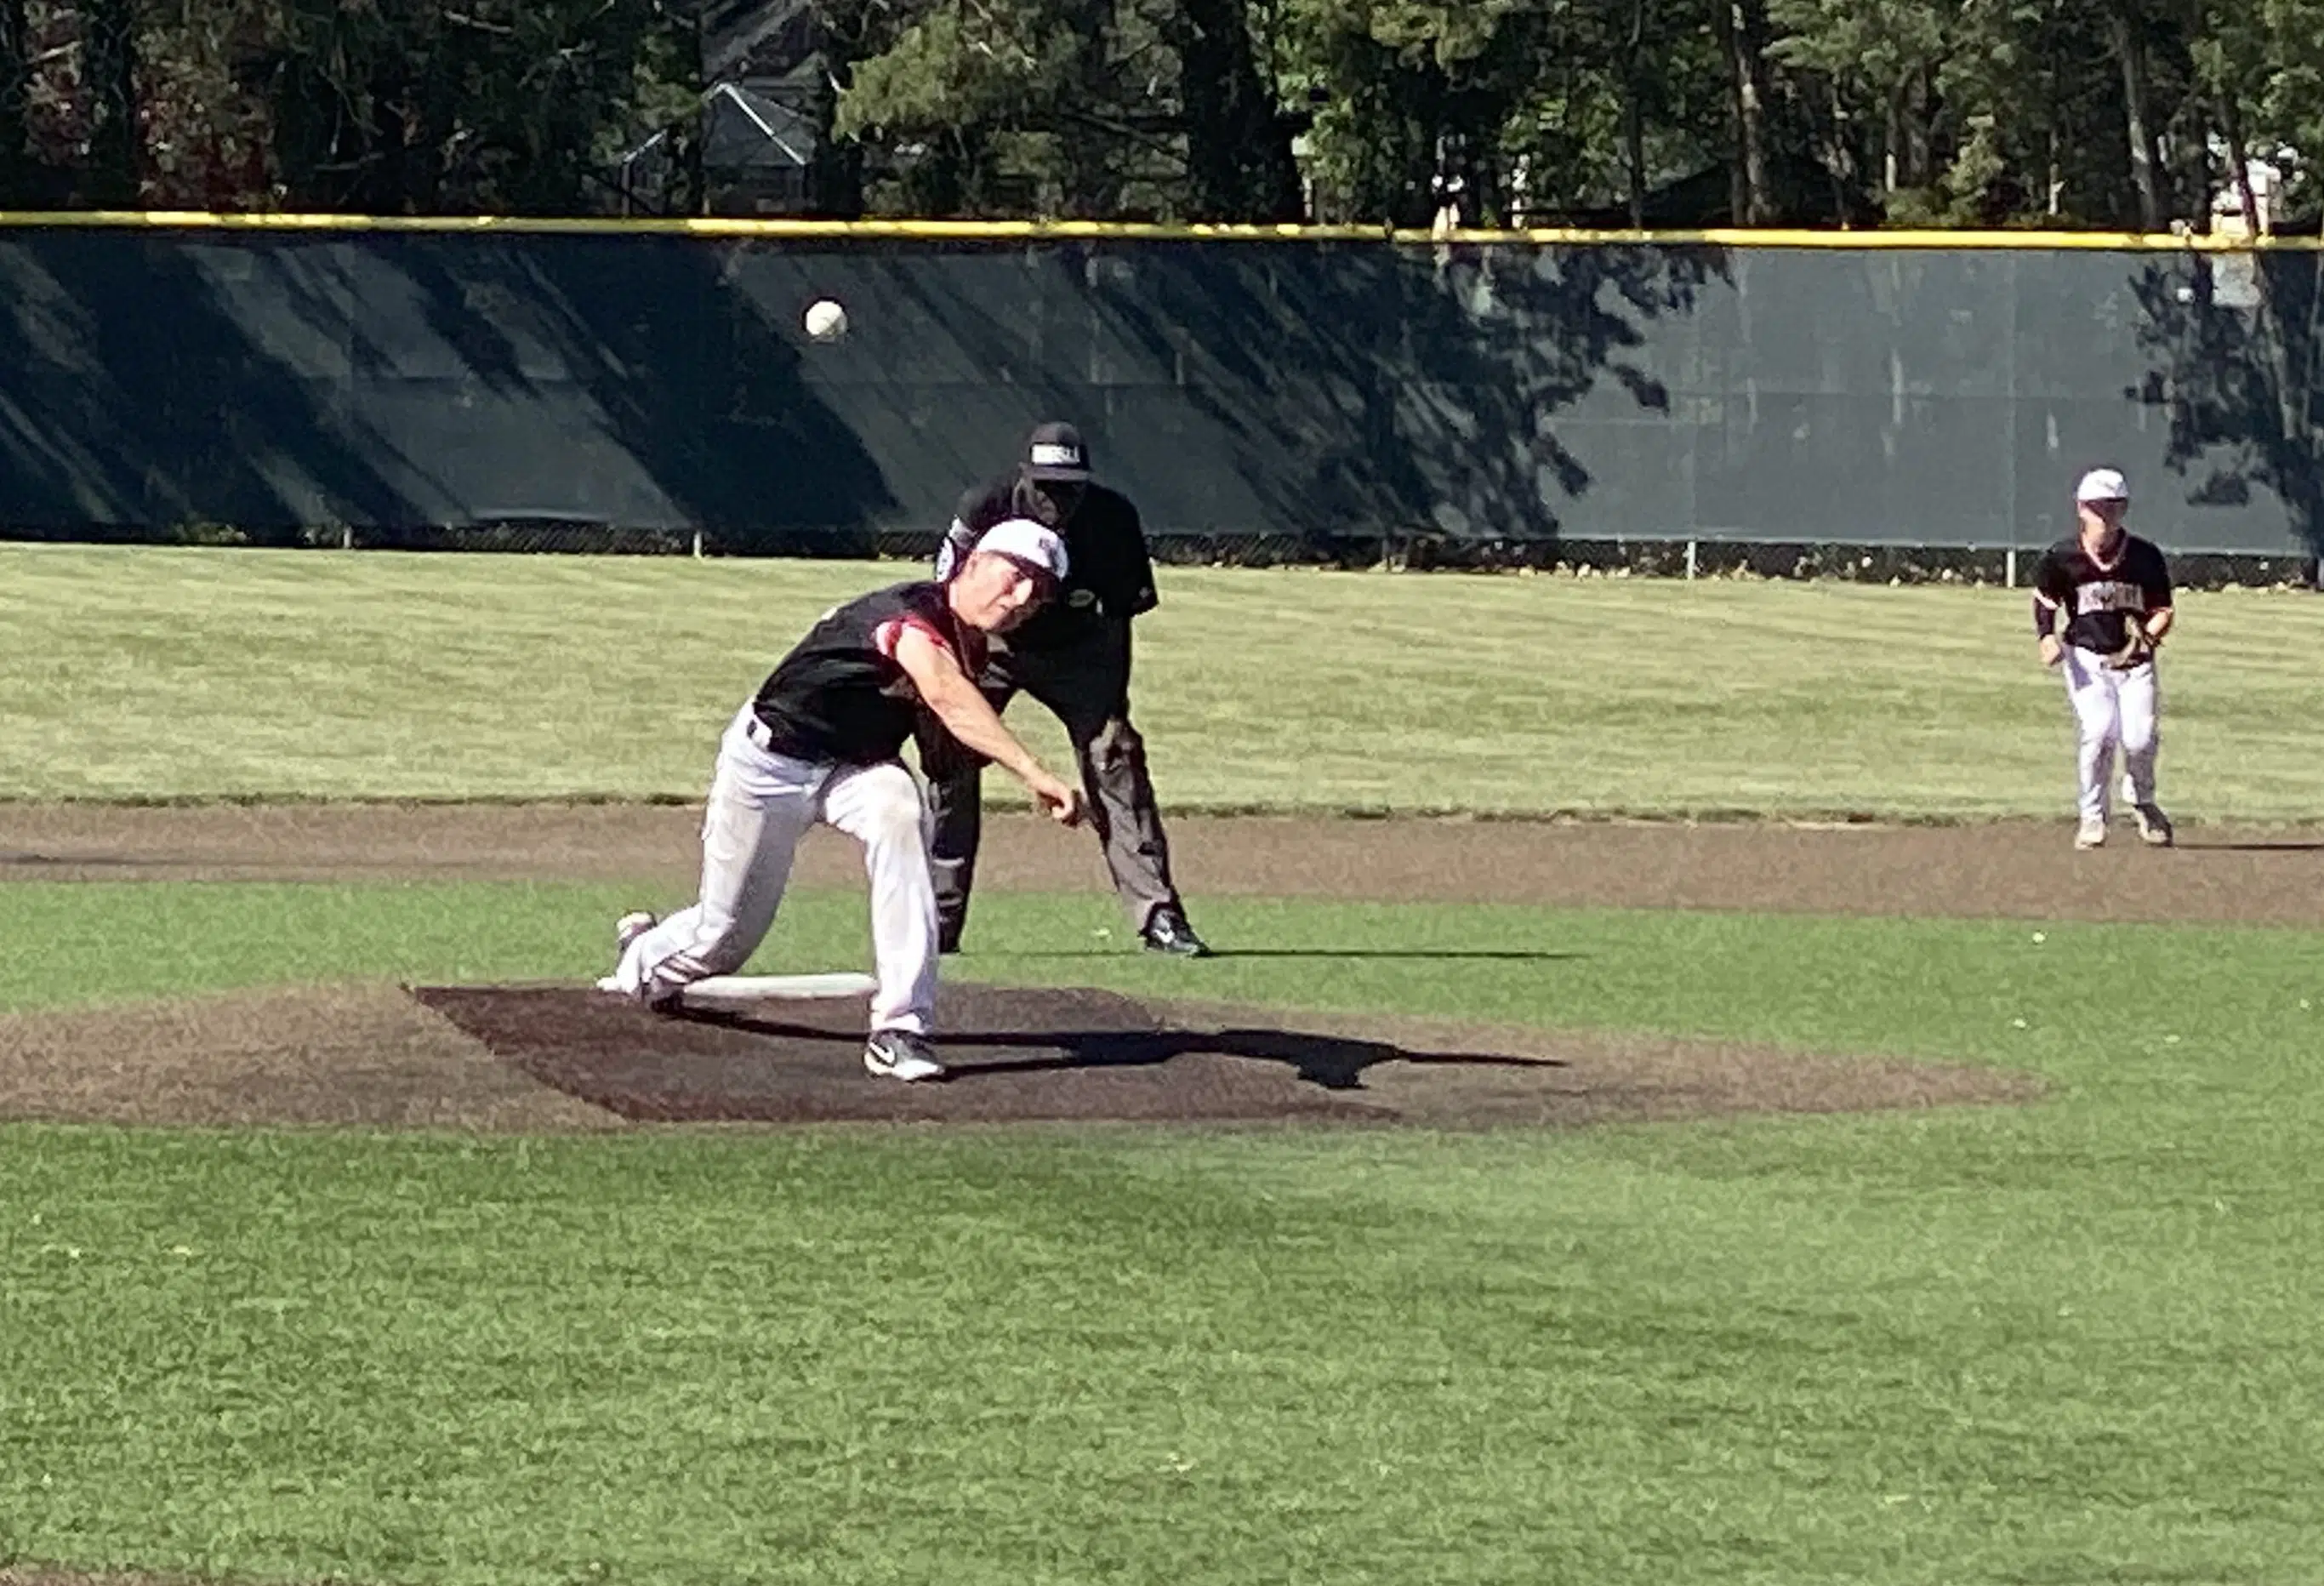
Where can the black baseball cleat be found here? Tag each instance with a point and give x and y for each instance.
(948, 936)
(1167, 931)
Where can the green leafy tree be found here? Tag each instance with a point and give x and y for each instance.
(16, 174)
(109, 46)
(520, 105)
(1240, 165)
(1417, 96)
(1015, 105)
(1879, 56)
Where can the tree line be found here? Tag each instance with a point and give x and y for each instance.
(2071, 114)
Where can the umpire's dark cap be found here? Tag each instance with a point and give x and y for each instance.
(1055, 453)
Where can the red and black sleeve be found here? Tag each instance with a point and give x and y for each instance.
(885, 636)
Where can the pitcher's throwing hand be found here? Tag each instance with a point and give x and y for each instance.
(1064, 803)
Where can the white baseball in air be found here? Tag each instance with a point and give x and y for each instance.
(826, 320)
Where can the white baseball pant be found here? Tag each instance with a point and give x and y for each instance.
(2113, 709)
(761, 805)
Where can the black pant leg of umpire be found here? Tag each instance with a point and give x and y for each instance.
(956, 781)
(1087, 687)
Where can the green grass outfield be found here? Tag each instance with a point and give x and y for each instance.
(2073, 1342)
(2064, 1343)
(163, 674)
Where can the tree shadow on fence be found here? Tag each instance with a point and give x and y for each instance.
(134, 403)
(2240, 376)
(1402, 388)
(690, 378)
(403, 385)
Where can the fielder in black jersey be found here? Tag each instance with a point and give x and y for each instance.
(2109, 591)
(1074, 657)
(819, 741)
(2101, 600)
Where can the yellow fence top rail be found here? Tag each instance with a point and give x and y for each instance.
(1107, 230)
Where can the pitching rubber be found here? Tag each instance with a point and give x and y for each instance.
(727, 989)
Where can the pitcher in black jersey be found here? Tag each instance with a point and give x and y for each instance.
(820, 741)
(1074, 658)
(2100, 582)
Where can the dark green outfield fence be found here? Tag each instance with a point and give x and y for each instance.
(384, 384)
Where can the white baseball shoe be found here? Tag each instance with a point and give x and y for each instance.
(895, 1054)
(2090, 834)
(628, 929)
(2154, 826)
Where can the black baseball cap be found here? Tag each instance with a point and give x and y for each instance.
(1054, 452)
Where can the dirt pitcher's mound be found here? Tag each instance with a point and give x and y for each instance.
(520, 1059)
(349, 1057)
(1025, 1053)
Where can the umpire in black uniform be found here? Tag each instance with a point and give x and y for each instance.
(1074, 657)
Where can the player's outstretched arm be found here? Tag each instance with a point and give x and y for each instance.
(969, 717)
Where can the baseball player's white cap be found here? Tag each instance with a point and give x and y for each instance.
(2102, 484)
(1028, 544)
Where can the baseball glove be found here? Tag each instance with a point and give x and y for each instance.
(2138, 646)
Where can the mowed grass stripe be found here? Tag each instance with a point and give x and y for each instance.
(147, 673)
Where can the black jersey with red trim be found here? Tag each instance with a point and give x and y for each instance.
(2097, 599)
(839, 694)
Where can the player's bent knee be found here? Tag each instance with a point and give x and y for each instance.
(893, 810)
(890, 828)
